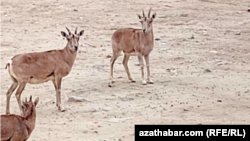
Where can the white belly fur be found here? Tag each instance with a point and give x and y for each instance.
(38, 81)
(132, 54)
(32, 80)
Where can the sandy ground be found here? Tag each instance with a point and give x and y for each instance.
(200, 65)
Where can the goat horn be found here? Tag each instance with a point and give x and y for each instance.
(30, 98)
(76, 31)
(149, 12)
(68, 31)
(143, 14)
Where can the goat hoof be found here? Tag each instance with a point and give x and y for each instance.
(61, 109)
(132, 80)
(112, 80)
(110, 85)
(150, 82)
(144, 82)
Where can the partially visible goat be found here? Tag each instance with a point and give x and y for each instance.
(19, 128)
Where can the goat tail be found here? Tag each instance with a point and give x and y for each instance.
(7, 65)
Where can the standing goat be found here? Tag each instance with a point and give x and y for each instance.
(139, 41)
(40, 67)
(19, 128)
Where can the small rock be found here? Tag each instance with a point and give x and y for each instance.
(117, 120)
(183, 15)
(213, 51)
(157, 39)
(106, 109)
(219, 100)
(169, 70)
(207, 70)
(138, 64)
(110, 85)
(76, 99)
(185, 109)
(238, 33)
(109, 56)
(163, 16)
(192, 37)
(75, 10)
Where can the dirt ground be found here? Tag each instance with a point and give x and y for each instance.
(200, 65)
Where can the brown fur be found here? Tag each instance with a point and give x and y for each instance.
(40, 67)
(138, 41)
(18, 128)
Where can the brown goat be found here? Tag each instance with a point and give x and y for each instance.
(138, 41)
(19, 128)
(40, 67)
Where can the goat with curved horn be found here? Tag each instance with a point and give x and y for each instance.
(42, 67)
(133, 41)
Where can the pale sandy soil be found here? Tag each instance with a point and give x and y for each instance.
(183, 93)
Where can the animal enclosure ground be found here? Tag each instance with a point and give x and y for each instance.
(200, 65)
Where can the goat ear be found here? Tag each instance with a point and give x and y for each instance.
(139, 16)
(153, 16)
(81, 33)
(23, 107)
(63, 34)
(36, 101)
